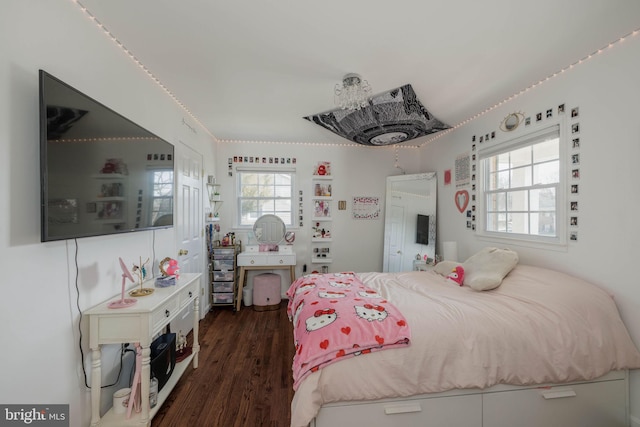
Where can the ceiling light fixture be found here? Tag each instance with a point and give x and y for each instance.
(353, 93)
(388, 118)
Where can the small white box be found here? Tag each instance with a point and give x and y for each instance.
(252, 248)
(285, 249)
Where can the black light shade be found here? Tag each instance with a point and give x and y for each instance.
(390, 118)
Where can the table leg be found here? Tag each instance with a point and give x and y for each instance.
(243, 272)
(145, 384)
(96, 384)
(196, 327)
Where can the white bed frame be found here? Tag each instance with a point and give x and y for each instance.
(598, 403)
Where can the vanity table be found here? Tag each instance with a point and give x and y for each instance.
(139, 323)
(264, 261)
(270, 231)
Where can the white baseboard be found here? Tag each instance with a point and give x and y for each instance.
(635, 422)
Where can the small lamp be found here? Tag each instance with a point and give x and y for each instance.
(450, 251)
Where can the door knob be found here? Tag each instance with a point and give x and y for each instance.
(182, 252)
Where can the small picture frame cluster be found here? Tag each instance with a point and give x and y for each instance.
(574, 185)
(161, 157)
(471, 212)
(300, 208)
(264, 160)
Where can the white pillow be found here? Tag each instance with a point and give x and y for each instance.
(486, 269)
(444, 268)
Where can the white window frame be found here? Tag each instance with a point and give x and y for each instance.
(529, 240)
(239, 199)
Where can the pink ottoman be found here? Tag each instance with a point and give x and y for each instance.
(266, 292)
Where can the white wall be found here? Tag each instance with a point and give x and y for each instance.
(607, 91)
(41, 362)
(357, 171)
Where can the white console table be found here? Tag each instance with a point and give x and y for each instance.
(140, 323)
(264, 261)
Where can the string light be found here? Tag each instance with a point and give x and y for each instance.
(438, 135)
(155, 79)
(534, 85)
(317, 144)
(102, 139)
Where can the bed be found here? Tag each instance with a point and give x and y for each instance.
(543, 348)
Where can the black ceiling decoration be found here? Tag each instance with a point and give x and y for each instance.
(390, 118)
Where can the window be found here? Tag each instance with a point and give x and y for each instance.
(264, 192)
(522, 189)
(162, 194)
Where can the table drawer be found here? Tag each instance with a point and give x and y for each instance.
(252, 259)
(161, 316)
(282, 259)
(187, 295)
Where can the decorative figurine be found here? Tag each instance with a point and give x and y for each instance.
(169, 267)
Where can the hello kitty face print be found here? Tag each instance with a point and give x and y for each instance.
(320, 319)
(343, 275)
(369, 294)
(304, 288)
(331, 294)
(339, 284)
(296, 314)
(371, 312)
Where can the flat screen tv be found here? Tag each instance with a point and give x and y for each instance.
(100, 173)
(422, 230)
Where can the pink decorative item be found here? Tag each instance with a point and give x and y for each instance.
(124, 302)
(462, 199)
(457, 275)
(173, 269)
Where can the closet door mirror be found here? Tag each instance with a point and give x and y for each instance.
(410, 220)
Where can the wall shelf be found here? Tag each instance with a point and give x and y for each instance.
(321, 239)
(322, 210)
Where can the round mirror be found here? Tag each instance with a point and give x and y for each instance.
(511, 122)
(269, 229)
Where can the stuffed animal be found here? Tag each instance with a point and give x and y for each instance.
(173, 269)
(457, 275)
(169, 267)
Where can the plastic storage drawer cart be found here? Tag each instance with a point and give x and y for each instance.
(223, 275)
(266, 292)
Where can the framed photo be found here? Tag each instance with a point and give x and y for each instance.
(365, 207)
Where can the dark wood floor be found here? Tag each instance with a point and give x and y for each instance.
(244, 376)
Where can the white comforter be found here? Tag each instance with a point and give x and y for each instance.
(539, 326)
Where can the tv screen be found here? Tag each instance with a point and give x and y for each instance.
(422, 233)
(100, 173)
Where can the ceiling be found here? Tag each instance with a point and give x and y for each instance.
(251, 71)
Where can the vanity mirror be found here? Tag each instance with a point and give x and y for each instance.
(269, 230)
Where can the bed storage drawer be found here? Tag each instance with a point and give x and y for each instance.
(581, 405)
(453, 411)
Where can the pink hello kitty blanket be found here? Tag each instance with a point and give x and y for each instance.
(335, 316)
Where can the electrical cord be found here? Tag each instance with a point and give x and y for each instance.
(123, 348)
